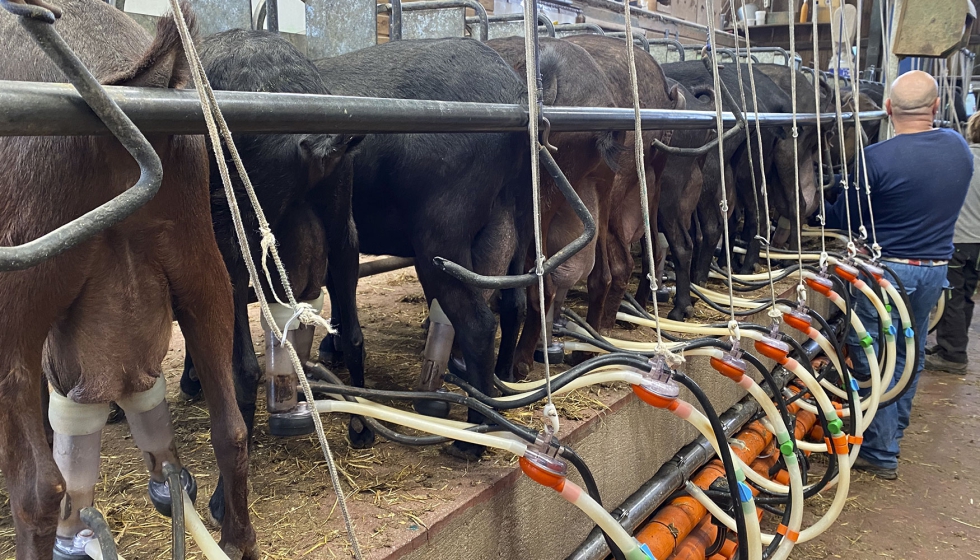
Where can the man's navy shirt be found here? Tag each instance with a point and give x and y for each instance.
(918, 184)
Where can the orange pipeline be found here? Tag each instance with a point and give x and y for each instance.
(700, 540)
(675, 521)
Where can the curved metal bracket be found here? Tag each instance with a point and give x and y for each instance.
(637, 38)
(543, 21)
(396, 7)
(740, 125)
(503, 282)
(38, 22)
(670, 43)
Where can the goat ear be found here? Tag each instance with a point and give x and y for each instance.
(164, 63)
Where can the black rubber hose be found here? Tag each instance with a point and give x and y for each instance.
(749, 285)
(94, 521)
(525, 433)
(179, 550)
(592, 488)
(726, 457)
(454, 398)
(726, 310)
(618, 359)
(383, 430)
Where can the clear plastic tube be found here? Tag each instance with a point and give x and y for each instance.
(200, 533)
(581, 499)
(703, 425)
(94, 549)
(421, 423)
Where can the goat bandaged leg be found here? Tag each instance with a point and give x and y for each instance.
(77, 443)
(287, 416)
(148, 416)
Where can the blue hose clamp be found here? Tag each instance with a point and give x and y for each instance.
(854, 385)
(744, 492)
(909, 333)
(892, 330)
(646, 550)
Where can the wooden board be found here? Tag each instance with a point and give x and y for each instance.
(932, 28)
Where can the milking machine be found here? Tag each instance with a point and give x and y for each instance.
(287, 415)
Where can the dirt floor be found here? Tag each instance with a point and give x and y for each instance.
(928, 513)
(933, 510)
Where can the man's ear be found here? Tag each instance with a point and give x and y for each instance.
(935, 106)
(888, 107)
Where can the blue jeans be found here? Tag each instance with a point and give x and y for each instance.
(923, 284)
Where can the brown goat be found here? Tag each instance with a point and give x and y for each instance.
(98, 317)
(620, 222)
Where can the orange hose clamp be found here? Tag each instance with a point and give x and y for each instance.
(773, 349)
(543, 469)
(846, 271)
(820, 284)
(797, 320)
(652, 398)
(729, 366)
(785, 531)
(876, 272)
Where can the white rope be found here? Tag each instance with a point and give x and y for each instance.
(851, 247)
(773, 312)
(218, 130)
(818, 109)
(720, 131)
(531, 67)
(801, 287)
(641, 173)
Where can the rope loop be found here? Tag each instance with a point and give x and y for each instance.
(875, 251)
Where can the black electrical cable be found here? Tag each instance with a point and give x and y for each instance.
(726, 457)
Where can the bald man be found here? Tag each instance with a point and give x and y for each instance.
(918, 181)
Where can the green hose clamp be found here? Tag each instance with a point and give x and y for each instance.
(867, 341)
(786, 448)
(835, 426)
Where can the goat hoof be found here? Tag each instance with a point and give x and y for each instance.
(465, 451)
(160, 492)
(295, 422)
(236, 553)
(330, 353)
(556, 353)
(216, 506)
(437, 409)
(190, 387)
(359, 434)
(457, 366)
(116, 414)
